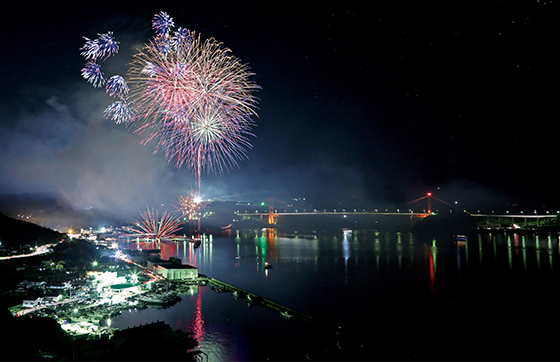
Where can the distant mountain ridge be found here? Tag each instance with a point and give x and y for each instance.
(52, 210)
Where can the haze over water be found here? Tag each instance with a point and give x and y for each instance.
(379, 294)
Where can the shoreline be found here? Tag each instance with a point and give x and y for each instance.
(94, 319)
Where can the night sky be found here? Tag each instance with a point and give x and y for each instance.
(369, 103)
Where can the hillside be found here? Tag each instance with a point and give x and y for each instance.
(14, 233)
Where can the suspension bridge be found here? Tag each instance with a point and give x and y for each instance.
(273, 215)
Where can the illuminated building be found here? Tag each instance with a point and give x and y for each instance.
(172, 269)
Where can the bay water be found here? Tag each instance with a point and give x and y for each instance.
(373, 294)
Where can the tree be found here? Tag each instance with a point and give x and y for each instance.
(60, 265)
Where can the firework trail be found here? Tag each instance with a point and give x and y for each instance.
(192, 99)
(151, 225)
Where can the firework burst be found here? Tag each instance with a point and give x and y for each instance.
(192, 99)
(93, 74)
(150, 225)
(194, 103)
(191, 205)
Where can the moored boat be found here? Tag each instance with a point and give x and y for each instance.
(286, 315)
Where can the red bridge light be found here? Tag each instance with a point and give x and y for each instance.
(429, 194)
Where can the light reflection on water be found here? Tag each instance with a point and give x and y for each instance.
(367, 278)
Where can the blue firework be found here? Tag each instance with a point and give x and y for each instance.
(116, 86)
(93, 74)
(119, 112)
(107, 45)
(162, 44)
(91, 49)
(182, 40)
(162, 23)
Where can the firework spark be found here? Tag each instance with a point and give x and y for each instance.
(151, 225)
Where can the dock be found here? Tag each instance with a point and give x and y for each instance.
(253, 299)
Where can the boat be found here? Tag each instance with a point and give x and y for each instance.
(252, 297)
(347, 231)
(267, 265)
(286, 315)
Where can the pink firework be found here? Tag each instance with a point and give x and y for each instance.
(195, 104)
(152, 226)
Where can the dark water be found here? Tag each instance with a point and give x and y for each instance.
(373, 295)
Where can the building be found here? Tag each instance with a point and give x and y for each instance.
(172, 269)
(27, 285)
(177, 272)
(31, 303)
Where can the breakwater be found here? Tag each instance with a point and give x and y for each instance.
(254, 299)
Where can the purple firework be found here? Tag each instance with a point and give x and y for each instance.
(182, 40)
(107, 45)
(119, 112)
(163, 45)
(90, 50)
(102, 47)
(93, 74)
(116, 86)
(162, 23)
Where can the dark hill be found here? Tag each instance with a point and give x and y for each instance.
(18, 232)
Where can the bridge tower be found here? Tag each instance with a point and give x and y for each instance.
(429, 195)
(271, 211)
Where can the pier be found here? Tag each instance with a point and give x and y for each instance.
(286, 312)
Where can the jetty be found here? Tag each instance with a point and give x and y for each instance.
(253, 299)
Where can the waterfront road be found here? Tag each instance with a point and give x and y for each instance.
(34, 309)
(39, 251)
